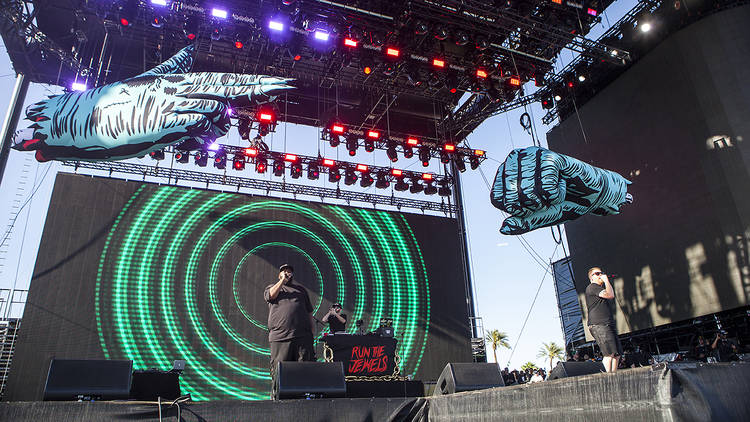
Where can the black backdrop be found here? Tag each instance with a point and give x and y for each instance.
(129, 270)
(676, 124)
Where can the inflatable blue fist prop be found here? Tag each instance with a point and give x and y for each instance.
(163, 106)
(541, 188)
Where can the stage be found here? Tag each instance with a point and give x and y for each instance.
(663, 392)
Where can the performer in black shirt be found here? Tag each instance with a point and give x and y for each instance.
(335, 319)
(601, 323)
(290, 321)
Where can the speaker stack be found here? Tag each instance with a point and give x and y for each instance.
(458, 377)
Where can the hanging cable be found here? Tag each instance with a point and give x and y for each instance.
(558, 241)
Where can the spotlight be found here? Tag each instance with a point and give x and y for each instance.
(474, 162)
(276, 25)
(182, 156)
(444, 189)
(369, 145)
(251, 152)
(514, 82)
(349, 176)
(78, 86)
(481, 73)
(430, 189)
(296, 170)
(424, 156)
(391, 152)
(421, 28)
(157, 155)
(444, 157)
(216, 34)
(401, 185)
(461, 38)
(416, 187)
(352, 143)
(645, 26)
(438, 63)
(327, 162)
(366, 180)
(547, 103)
(278, 168)
(220, 160)
(313, 171)
(261, 164)
(389, 69)
(201, 158)
(334, 175)
(441, 33)
(238, 162)
(452, 83)
(219, 13)
(393, 52)
(382, 182)
(321, 35)
(481, 43)
(349, 42)
(408, 151)
(460, 165)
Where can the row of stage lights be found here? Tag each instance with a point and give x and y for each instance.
(381, 177)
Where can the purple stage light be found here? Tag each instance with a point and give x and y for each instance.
(321, 35)
(230, 111)
(276, 25)
(214, 146)
(78, 86)
(219, 13)
(159, 2)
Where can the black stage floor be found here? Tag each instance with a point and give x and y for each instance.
(663, 392)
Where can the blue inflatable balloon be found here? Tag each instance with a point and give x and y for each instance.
(541, 188)
(164, 106)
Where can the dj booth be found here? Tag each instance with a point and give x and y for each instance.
(363, 355)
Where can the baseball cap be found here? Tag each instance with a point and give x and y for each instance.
(286, 267)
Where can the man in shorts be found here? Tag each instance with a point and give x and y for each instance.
(599, 298)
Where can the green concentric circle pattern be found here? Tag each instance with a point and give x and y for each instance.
(182, 275)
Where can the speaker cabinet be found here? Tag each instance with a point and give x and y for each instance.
(152, 384)
(575, 369)
(293, 380)
(70, 379)
(458, 377)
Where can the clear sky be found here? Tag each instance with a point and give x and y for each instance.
(506, 270)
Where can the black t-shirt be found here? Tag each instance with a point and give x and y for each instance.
(335, 325)
(289, 313)
(599, 309)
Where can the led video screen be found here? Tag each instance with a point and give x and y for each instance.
(675, 124)
(130, 270)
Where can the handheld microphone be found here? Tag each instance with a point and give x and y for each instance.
(613, 275)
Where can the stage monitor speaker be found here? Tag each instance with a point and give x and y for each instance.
(73, 379)
(458, 377)
(293, 380)
(575, 369)
(152, 384)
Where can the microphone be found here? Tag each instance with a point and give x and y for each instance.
(613, 275)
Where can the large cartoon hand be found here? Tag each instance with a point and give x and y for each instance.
(541, 188)
(163, 106)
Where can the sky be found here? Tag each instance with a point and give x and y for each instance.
(507, 271)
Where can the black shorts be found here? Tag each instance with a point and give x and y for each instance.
(606, 338)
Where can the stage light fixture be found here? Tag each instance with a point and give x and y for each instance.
(444, 157)
(216, 34)
(474, 162)
(481, 73)
(238, 44)
(428, 176)
(157, 21)
(460, 165)
(400, 185)
(327, 162)
(291, 158)
(408, 151)
(362, 168)
(349, 177)
(373, 134)
(449, 148)
(276, 25)
(261, 164)
(391, 152)
(201, 158)
(321, 35)
(424, 156)
(452, 83)
(382, 181)
(219, 13)
(441, 33)
(78, 86)
(514, 81)
(430, 188)
(157, 155)
(334, 175)
(159, 2)
(479, 153)
(421, 28)
(547, 103)
(349, 42)
(182, 156)
(389, 69)
(645, 26)
(592, 12)
(369, 145)
(393, 52)
(412, 142)
(352, 143)
(366, 180)
(435, 81)
(238, 162)
(220, 160)
(481, 43)
(313, 171)
(438, 63)
(251, 152)
(461, 38)
(278, 167)
(416, 187)
(444, 189)
(296, 170)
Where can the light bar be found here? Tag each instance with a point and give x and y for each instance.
(393, 52)
(478, 152)
(290, 157)
(276, 25)
(159, 2)
(557, 1)
(397, 172)
(449, 147)
(219, 13)
(373, 134)
(327, 162)
(361, 167)
(438, 63)
(350, 42)
(515, 81)
(321, 35)
(481, 73)
(592, 12)
(214, 146)
(251, 152)
(77, 86)
(265, 117)
(427, 176)
(412, 141)
(337, 129)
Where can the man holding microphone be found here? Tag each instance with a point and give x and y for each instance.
(599, 297)
(335, 319)
(290, 321)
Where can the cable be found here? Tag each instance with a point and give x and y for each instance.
(13, 222)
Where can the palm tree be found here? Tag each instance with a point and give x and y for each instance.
(497, 338)
(551, 351)
(529, 365)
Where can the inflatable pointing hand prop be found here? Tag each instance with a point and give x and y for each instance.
(541, 188)
(164, 106)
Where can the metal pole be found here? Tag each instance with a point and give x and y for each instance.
(458, 198)
(11, 119)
